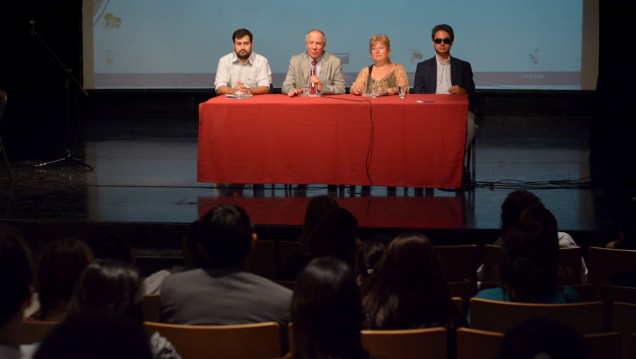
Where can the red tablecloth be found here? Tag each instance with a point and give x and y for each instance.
(416, 142)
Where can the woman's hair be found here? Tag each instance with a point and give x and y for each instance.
(529, 270)
(58, 269)
(334, 235)
(326, 311)
(381, 38)
(515, 202)
(368, 259)
(316, 207)
(411, 291)
(108, 286)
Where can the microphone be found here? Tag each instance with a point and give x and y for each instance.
(32, 23)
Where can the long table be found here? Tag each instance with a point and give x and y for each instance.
(418, 141)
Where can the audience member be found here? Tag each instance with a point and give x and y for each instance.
(334, 235)
(113, 246)
(113, 287)
(97, 336)
(16, 276)
(543, 216)
(314, 68)
(411, 291)
(383, 76)
(316, 208)
(444, 74)
(368, 260)
(223, 292)
(511, 209)
(58, 269)
(243, 71)
(326, 312)
(530, 266)
(542, 338)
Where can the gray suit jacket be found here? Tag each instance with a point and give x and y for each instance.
(333, 82)
(201, 296)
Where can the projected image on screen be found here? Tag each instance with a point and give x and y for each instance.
(532, 44)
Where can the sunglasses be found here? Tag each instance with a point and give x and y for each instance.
(447, 41)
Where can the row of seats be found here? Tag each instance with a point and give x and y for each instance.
(460, 262)
(482, 340)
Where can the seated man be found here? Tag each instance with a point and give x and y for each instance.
(443, 74)
(242, 71)
(223, 292)
(314, 68)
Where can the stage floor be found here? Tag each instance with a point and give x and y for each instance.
(145, 170)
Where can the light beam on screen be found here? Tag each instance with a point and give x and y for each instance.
(165, 44)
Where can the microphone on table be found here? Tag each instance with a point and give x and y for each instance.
(32, 23)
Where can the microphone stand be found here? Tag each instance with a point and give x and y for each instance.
(69, 158)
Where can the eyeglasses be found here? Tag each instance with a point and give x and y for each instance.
(447, 41)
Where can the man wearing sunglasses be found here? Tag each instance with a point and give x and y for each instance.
(443, 74)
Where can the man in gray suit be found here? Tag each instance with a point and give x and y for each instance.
(315, 69)
(223, 292)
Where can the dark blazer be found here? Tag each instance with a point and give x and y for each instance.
(461, 75)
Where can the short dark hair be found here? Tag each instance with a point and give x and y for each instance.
(16, 274)
(225, 235)
(443, 27)
(241, 33)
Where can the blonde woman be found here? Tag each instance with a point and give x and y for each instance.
(384, 76)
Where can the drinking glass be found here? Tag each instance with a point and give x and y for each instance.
(403, 91)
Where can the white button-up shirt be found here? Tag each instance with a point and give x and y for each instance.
(253, 73)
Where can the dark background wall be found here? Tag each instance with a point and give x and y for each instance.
(38, 113)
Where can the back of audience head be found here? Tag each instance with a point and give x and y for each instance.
(112, 246)
(368, 260)
(96, 336)
(225, 236)
(316, 207)
(543, 338)
(110, 287)
(58, 269)
(542, 216)
(411, 290)
(515, 202)
(326, 311)
(334, 235)
(16, 279)
(529, 270)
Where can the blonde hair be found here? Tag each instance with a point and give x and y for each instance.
(380, 38)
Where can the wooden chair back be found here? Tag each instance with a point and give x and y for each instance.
(624, 322)
(151, 305)
(238, 341)
(464, 290)
(262, 260)
(287, 250)
(492, 259)
(430, 343)
(499, 316)
(459, 262)
(34, 331)
(603, 345)
(603, 263)
(477, 344)
(610, 294)
(586, 292)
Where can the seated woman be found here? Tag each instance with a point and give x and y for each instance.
(384, 76)
(410, 291)
(326, 313)
(58, 269)
(114, 288)
(530, 268)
